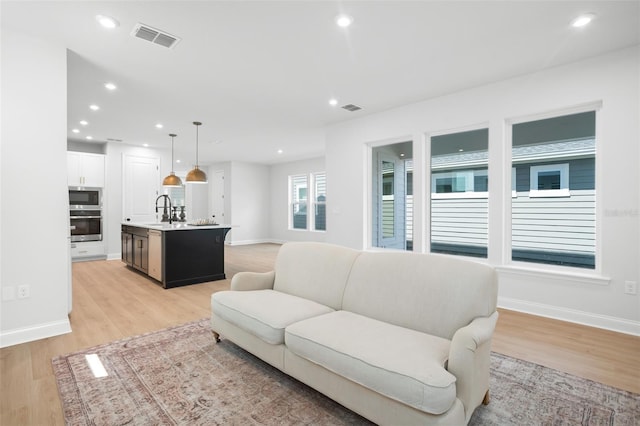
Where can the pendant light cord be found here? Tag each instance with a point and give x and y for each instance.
(197, 124)
(172, 163)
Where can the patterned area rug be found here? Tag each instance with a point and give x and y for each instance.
(180, 376)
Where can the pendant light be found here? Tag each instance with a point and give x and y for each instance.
(196, 175)
(172, 180)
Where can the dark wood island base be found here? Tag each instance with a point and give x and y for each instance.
(175, 255)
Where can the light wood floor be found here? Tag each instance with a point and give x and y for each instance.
(112, 302)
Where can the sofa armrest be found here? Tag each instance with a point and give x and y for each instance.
(469, 358)
(243, 281)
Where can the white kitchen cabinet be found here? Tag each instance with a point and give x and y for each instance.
(85, 169)
(87, 250)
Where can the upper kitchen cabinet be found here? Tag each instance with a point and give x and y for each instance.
(85, 169)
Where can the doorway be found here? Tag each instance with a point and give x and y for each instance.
(141, 186)
(392, 196)
(217, 196)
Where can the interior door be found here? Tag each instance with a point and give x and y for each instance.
(140, 188)
(389, 199)
(217, 196)
(197, 201)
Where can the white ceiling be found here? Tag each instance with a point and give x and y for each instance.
(259, 74)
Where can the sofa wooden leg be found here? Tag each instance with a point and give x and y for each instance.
(486, 398)
(216, 336)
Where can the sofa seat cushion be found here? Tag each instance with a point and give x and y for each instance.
(264, 313)
(402, 364)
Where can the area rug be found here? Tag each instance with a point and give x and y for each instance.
(179, 376)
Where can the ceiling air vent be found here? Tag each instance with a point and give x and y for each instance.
(351, 107)
(155, 36)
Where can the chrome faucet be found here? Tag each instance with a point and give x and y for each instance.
(166, 217)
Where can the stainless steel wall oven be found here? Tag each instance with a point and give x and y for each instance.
(85, 213)
(86, 225)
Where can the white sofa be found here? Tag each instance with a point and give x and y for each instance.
(399, 338)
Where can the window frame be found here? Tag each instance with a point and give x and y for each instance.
(310, 201)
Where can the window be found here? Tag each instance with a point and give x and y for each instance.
(553, 211)
(320, 202)
(450, 182)
(549, 180)
(461, 183)
(176, 194)
(388, 200)
(308, 193)
(298, 201)
(459, 193)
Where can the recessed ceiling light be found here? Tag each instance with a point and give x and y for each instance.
(178, 161)
(159, 126)
(75, 130)
(333, 102)
(94, 107)
(582, 20)
(280, 151)
(401, 155)
(343, 21)
(145, 145)
(460, 150)
(107, 21)
(84, 122)
(110, 86)
(89, 137)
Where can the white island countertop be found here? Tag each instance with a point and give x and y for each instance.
(175, 226)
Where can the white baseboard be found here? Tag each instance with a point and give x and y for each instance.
(114, 256)
(247, 242)
(37, 332)
(619, 325)
(272, 241)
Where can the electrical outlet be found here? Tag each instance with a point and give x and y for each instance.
(630, 287)
(23, 291)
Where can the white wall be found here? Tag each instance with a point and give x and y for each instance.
(581, 296)
(250, 203)
(279, 223)
(34, 221)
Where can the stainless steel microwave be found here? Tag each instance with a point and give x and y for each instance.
(82, 198)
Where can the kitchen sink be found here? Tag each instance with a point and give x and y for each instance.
(167, 225)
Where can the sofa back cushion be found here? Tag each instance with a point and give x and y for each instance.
(315, 271)
(435, 294)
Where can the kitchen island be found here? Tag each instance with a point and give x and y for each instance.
(175, 254)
